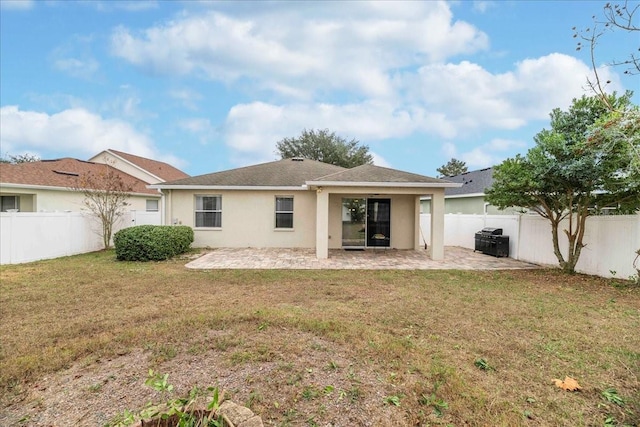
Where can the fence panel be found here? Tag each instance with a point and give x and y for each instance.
(32, 236)
(611, 241)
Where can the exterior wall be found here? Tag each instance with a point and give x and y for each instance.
(248, 219)
(126, 167)
(466, 206)
(51, 200)
(402, 219)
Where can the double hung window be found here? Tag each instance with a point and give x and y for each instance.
(209, 211)
(284, 212)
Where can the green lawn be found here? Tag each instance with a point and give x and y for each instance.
(321, 347)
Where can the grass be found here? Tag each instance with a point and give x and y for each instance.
(397, 347)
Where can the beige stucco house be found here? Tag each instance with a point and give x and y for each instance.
(301, 203)
(47, 185)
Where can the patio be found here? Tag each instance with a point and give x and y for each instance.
(455, 258)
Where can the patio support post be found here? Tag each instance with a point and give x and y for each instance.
(436, 249)
(322, 224)
(416, 224)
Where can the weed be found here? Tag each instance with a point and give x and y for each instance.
(392, 400)
(332, 366)
(483, 364)
(254, 397)
(95, 388)
(182, 410)
(438, 405)
(310, 393)
(611, 395)
(328, 390)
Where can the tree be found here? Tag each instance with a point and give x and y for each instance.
(106, 197)
(20, 158)
(452, 168)
(325, 146)
(568, 176)
(617, 16)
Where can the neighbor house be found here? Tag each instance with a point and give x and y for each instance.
(301, 203)
(469, 197)
(47, 185)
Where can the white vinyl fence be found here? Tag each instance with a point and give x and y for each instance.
(611, 241)
(32, 236)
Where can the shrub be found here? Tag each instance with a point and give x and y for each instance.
(152, 242)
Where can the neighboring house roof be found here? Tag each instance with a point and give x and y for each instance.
(372, 174)
(474, 182)
(63, 173)
(282, 173)
(162, 170)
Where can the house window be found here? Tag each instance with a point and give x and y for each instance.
(284, 212)
(209, 211)
(8, 203)
(152, 205)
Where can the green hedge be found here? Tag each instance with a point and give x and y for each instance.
(152, 242)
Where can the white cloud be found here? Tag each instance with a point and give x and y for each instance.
(72, 132)
(187, 97)
(491, 153)
(200, 127)
(378, 160)
(482, 6)
(81, 68)
(285, 50)
(253, 129)
(17, 4)
(75, 58)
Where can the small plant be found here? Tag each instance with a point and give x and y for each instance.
(310, 393)
(175, 411)
(439, 405)
(392, 400)
(483, 364)
(611, 395)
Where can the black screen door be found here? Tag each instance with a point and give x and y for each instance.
(379, 222)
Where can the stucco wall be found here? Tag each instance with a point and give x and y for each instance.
(466, 206)
(248, 219)
(42, 200)
(126, 167)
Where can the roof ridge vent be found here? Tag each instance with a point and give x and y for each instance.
(297, 159)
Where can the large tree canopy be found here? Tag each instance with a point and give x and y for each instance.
(580, 165)
(326, 147)
(452, 168)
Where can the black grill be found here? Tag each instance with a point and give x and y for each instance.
(490, 241)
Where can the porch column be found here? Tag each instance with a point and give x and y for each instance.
(436, 249)
(322, 224)
(416, 224)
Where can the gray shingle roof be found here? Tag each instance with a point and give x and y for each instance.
(473, 182)
(377, 174)
(281, 173)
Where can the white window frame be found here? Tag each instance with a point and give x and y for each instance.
(288, 212)
(196, 210)
(157, 208)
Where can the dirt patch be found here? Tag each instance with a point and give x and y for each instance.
(322, 377)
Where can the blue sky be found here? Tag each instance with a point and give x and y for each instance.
(209, 86)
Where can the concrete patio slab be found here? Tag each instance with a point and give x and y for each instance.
(455, 258)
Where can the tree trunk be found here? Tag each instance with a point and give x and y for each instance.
(556, 245)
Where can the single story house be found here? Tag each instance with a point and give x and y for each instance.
(301, 203)
(47, 185)
(469, 197)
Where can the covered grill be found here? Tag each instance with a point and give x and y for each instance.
(490, 241)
